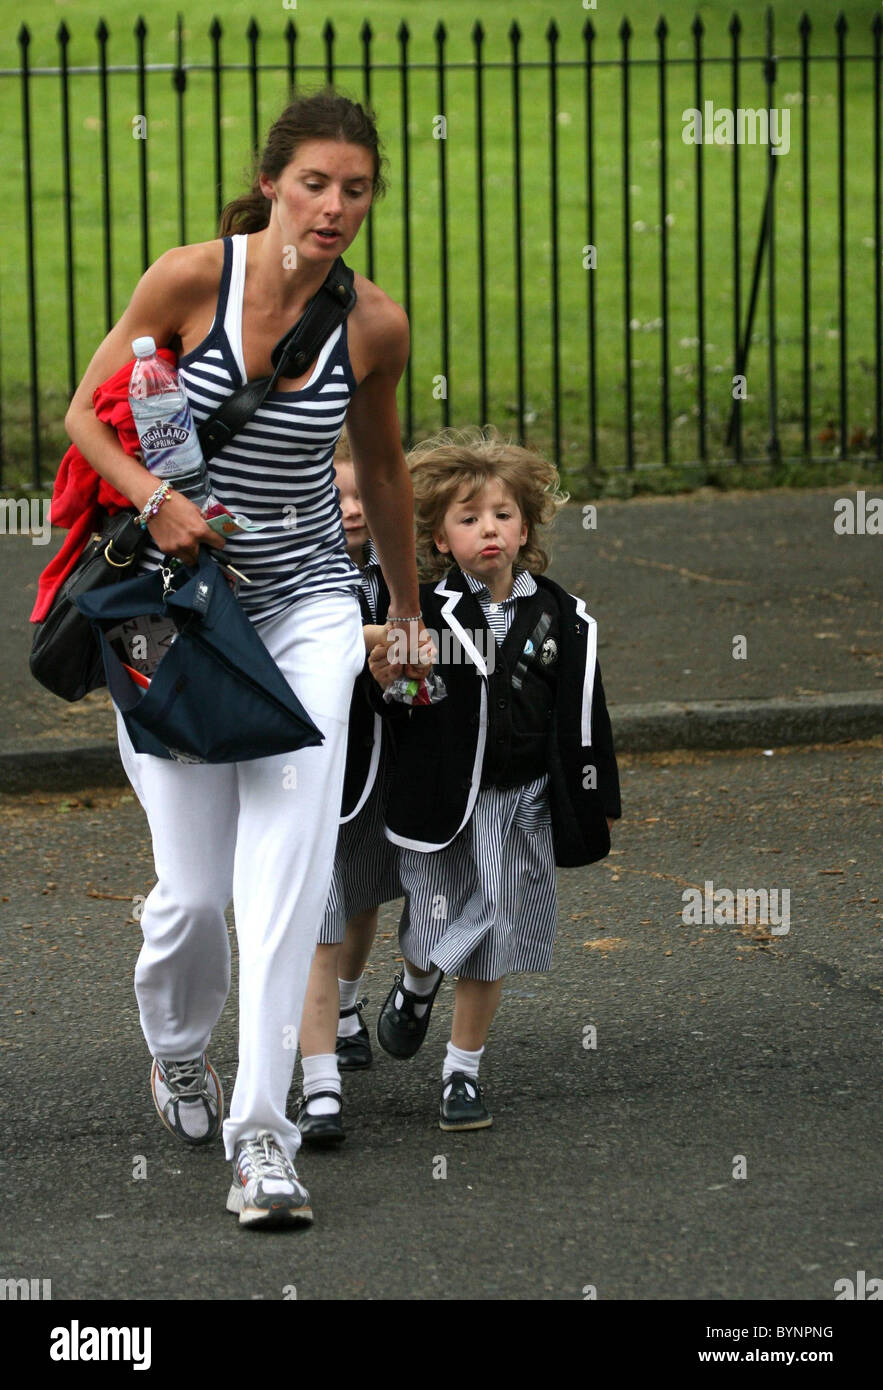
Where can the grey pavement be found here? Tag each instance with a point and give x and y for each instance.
(673, 582)
(720, 1049)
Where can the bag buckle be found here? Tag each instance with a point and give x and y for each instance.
(117, 564)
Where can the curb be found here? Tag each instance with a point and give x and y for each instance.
(648, 728)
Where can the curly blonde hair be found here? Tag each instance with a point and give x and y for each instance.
(443, 466)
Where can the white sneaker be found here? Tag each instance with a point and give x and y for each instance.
(266, 1190)
(188, 1098)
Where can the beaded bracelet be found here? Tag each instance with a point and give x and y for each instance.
(405, 620)
(153, 504)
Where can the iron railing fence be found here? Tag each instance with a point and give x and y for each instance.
(510, 243)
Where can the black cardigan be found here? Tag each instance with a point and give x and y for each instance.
(440, 750)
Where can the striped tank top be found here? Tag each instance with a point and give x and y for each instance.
(279, 468)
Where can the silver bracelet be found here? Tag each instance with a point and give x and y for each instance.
(415, 618)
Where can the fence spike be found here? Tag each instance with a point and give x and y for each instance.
(478, 32)
(661, 28)
(588, 31)
(102, 33)
(215, 30)
(553, 33)
(840, 24)
(328, 31)
(291, 31)
(140, 29)
(253, 31)
(515, 31)
(697, 28)
(735, 25)
(805, 24)
(625, 30)
(24, 36)
(440, 33)
(366, 33)
(403, 33)
(63, 35)
(877, 23)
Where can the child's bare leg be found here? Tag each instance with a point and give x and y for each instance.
(319, 1025)
(318, 1036)
(356, 948)
(475, 1003)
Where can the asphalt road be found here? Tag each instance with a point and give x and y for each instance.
(720, 1049)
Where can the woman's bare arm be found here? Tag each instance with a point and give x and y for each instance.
(382, 477)
(164, 295)
(381, 474)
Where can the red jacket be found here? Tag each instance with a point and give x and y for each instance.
(80, 493)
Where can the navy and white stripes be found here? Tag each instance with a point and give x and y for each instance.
(279, 468)
(500, 616)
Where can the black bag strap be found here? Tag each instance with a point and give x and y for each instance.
(327, 309)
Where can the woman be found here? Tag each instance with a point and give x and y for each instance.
(263, 831)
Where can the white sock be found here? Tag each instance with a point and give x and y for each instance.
(321, 1073)
(458, 1059)
(349, 992)
(417, 984)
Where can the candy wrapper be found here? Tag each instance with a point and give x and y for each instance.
(225, 522)
(428, 690)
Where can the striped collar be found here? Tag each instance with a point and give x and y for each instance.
(523, 586)
(369, 555)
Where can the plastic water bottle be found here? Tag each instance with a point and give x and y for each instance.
(161, 412)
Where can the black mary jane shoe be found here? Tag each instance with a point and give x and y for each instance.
(321, 1131)
(399, 1031)
(460, 1110)
(354, 1052)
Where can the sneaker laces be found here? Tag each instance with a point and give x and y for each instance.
(184, 1078)
(265, 1158)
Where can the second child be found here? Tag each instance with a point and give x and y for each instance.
(333, 1036)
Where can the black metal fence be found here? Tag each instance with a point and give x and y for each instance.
(534, 329)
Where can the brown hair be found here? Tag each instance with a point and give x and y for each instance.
(469, 459)
(322, 115)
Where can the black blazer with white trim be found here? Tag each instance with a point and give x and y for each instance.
(440, 751)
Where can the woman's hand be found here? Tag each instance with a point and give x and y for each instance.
(179, 528)
(411, 640)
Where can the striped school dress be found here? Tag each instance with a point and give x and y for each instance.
(278, 469)
(486, 905)
(366, 864)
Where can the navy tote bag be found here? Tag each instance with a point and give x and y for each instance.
(217, 695)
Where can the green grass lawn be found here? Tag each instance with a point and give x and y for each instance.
(570, 231)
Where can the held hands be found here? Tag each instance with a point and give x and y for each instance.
(401, 640)
(179, 528)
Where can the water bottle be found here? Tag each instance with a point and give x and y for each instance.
(161, 412)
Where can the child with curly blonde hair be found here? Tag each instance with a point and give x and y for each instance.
(510, 774)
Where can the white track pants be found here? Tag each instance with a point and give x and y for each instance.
(262, 832)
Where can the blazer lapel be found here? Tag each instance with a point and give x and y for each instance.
(452, 597)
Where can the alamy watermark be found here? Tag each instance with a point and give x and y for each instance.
(405, 650)
(724, 907)
(722, 126)
(22, 516)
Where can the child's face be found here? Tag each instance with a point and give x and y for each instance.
(354, 525)
(483, 533)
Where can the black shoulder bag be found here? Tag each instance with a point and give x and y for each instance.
(65, 654)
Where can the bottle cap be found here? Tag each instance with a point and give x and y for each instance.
(144, 347)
